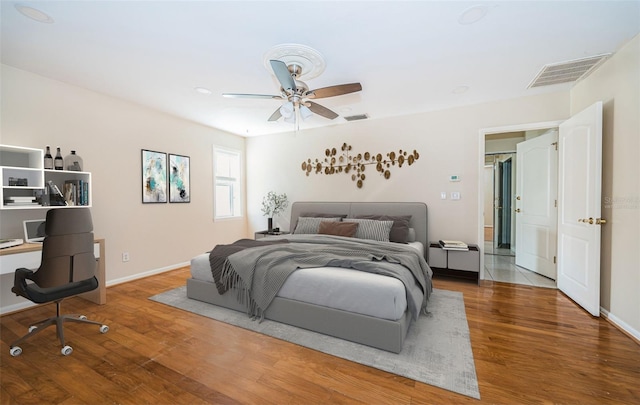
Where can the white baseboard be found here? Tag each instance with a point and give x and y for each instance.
(28, 304)
(17, 307)
(146, 274)
(620, 324)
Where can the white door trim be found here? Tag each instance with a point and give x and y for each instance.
(481, 151)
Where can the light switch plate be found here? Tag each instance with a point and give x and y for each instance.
(455, 195)
(443, 195)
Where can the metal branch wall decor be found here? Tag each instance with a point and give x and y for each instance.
(348, 163)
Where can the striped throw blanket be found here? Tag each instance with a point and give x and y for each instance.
(258, 273)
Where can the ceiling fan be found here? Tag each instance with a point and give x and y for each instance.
(297, 94)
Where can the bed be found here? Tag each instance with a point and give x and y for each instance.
(314, 297)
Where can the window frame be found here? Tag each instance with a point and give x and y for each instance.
(237, 196)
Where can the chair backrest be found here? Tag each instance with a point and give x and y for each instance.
(67, 250)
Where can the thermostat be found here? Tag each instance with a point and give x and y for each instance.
(454, 177)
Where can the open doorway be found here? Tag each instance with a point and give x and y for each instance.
(499, 188)
(501, 203)
(501, 169)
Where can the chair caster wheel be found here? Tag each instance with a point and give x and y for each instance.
(15, 351)
(82, 317)
(104, 329)
(32, 328)
(67, 350)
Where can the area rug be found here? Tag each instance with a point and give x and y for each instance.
(437, 349)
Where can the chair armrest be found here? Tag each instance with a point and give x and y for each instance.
(20, 277)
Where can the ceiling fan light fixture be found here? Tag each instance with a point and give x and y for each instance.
(288, 69)
(287, 110)
(305, 112)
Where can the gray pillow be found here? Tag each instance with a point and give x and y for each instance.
(400, 230)
(372, 229)
(309, 225)
(318, 215)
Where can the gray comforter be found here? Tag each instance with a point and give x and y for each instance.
(258, 273)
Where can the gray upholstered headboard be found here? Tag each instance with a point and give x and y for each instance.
(417, 210)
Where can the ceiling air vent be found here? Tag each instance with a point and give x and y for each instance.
(356, 117)
(565, 72)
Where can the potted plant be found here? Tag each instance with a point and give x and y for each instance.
(272, 205)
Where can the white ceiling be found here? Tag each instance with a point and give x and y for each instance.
(409, 56)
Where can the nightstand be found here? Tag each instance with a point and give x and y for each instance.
(263, 234)
(455, 263)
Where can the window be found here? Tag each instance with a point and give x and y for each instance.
(227, 191)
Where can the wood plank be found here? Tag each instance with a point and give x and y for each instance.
(529, 344)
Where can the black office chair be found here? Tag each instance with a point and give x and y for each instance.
(67, 268)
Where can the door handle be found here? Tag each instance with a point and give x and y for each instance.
(591, 221)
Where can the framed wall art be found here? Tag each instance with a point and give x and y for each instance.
(154, 176)
(179, 180)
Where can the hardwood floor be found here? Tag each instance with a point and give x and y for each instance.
(531, 345)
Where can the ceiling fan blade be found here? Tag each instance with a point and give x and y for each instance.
(333, 91)
(236, 95)
(320, 110)
(283, 74)
(276, 115)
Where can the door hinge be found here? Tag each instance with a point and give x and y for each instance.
(555, 203)
(554, 260)
(555, 144)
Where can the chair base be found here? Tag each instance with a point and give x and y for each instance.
(58, 321)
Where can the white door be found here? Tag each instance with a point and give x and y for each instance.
(535, 204)
(579, 199)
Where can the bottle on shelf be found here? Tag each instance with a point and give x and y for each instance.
(48, 159)
(73, 162)
(58, 162)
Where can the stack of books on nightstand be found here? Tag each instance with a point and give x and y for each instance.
(453, 245)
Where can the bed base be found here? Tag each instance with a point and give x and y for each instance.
(379, 333)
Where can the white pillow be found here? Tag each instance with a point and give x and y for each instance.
(411, 236)
(372, 229)
(307, 225)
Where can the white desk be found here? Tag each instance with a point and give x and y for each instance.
(28, 255)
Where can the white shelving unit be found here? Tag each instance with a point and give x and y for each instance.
(20, 164)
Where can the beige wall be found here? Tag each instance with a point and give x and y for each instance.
(448, 144)
(617, 84)
(109, 134)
